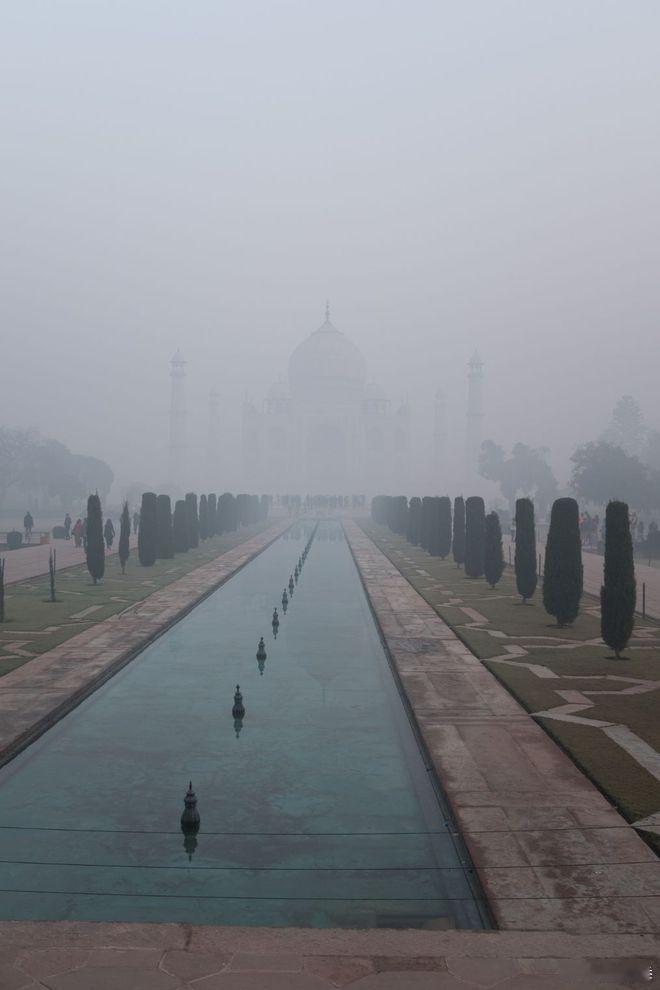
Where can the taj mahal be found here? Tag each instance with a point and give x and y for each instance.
(325, 428)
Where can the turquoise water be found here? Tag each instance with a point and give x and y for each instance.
(320, 812)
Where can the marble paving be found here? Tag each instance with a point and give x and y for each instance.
(550, 851)
(84, 956)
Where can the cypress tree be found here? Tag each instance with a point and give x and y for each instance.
(562, 573)
(2, 589)
(211, 515)
(493, 556)
(458, 535)
(399, 515)
(264, 506)
(525, 558)
(192, 520)
(618, 592)
(124, 548)
(180, 527)
(414, 520)
(95, 549)
(474, 536)
(426, 526)
(243, 509)
(148, 531)
(433, 523)
(164, 541)
(443, 512)
(203, 518)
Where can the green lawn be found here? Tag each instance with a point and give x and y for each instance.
(571, 653)
(33, 624)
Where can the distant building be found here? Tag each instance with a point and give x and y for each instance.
(325, 429)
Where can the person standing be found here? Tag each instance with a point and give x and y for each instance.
(67, 526)
(108, 533)
(28, 523)
(84, 533)
(136, 521)
(77, 532)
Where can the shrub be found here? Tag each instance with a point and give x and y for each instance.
(562, 573)
(618, 593)
(525, 558)
(58, 533)
(458, 534)
(493, 556)
(14, 540)
(148, 532)
(474, 536)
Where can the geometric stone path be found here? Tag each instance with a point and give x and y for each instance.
(79, 956)
(33, 697)
(550, 851)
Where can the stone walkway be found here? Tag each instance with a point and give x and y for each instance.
(33, 697)
(32, 561)
(79, 956)
(550, 851)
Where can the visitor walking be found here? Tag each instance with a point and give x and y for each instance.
(28, 523)
(136, 521)
(67, 526)
(109, 533)
(78, 533)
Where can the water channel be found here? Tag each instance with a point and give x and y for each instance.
(318, 812)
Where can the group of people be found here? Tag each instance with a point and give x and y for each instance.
(78, 530)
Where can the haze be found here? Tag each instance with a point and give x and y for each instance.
(204, 176)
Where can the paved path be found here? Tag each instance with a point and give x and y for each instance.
(32, 561)
(593, 578)
(36, 695)
(550, 851)
(79, 956)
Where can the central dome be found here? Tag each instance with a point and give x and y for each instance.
(327, 365)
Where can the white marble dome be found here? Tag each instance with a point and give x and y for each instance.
(327, 365)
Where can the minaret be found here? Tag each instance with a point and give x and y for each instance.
(178, 439)
(475, 416)
(440, 437)
(213, 439)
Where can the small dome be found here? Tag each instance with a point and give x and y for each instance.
(327, 364)
(278, 391)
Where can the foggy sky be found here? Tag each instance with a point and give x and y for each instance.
(204, 175)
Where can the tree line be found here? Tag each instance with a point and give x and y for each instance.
(163, 532)
(474, 539)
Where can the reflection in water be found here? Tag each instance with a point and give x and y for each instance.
(190, 844)
(190, 821)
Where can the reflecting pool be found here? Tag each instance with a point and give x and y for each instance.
(316, 808)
